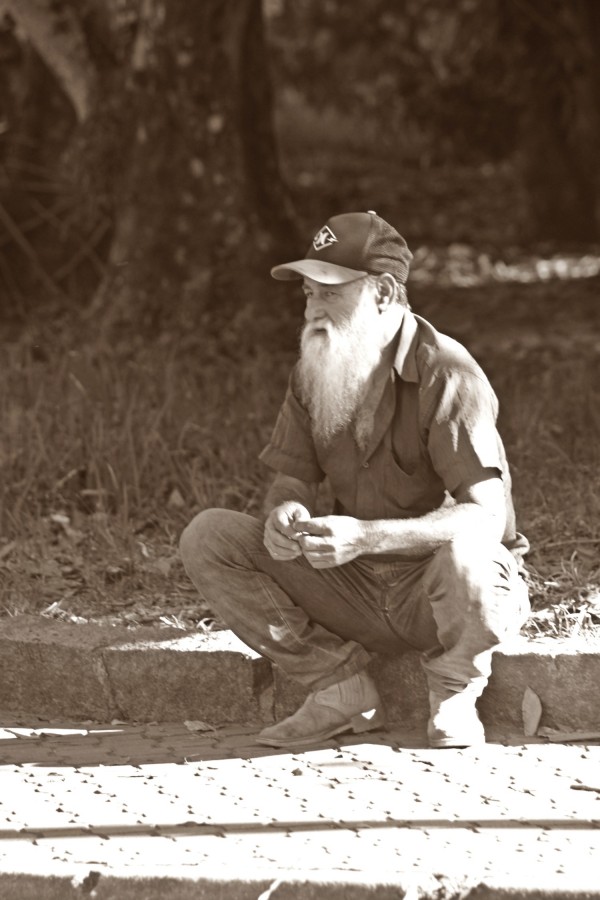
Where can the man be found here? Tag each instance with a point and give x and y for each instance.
(421, 550)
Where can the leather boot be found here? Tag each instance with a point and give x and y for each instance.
(352, 705)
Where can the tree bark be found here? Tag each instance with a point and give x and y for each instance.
(192, 201)
(55, 31)
(560, 137)
(175, 140)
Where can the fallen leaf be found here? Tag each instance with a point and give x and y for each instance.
(7, 549)
(175, 499)
(163, 566)
(172, 622)
(59, 519)
(114, 573)
(532, 712)
(55, 611)
(197, 725)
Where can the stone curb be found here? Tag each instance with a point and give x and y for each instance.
(54, 669)
(342, 886)
(100, 673)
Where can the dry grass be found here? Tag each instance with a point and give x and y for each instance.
(543, 356)
(107, 452)
(105, 455)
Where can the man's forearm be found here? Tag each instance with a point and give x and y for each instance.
(423, 535)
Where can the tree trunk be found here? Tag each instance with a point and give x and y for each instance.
(196, 181)
(54, 28)
(175, 140)
(560, 87)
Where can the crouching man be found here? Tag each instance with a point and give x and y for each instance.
(421, 549)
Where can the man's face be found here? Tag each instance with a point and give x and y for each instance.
(333, 305)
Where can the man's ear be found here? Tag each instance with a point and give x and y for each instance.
(387, 291)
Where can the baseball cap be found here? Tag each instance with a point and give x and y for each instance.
(348, 247)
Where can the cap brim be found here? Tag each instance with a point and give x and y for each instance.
(318, 270)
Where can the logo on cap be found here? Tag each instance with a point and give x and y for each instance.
(324, 238)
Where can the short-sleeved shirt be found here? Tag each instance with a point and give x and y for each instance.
(434, 429)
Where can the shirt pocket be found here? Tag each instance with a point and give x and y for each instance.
(413, 491)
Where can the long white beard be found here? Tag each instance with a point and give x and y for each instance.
(334, 370)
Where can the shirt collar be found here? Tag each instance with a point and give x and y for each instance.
(405, 362)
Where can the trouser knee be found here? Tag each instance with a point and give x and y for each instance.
(478, 581)
(216, 536)
(197, 535)
(474, 566)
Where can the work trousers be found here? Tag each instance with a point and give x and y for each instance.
(322, 625)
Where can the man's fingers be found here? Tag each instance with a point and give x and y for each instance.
(312, 526)
(280, 542)
(287, 529)
(280, 546)
(280, 524)
(281, 539)
(318, 551)
(284, 555)
(291, 551)
(314, 544)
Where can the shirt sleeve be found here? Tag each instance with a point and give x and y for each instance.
(291, 449)
(460, 423)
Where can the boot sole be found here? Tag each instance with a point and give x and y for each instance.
(356, 725)
(443, 743)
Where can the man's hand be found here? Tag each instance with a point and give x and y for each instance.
(328, 541)
(281, 539)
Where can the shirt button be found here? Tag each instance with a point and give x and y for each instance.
(365, 465)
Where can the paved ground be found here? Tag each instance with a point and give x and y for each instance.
(101, 807)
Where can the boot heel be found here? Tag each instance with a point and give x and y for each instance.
(363, 722)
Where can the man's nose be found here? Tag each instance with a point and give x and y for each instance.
(314, 308)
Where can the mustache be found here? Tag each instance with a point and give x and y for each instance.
(315, 327)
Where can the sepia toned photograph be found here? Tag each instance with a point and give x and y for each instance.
(299, 449)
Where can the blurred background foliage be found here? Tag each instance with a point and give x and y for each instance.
(157, 157)
(430, 80)
(152, 136)
(470, 83)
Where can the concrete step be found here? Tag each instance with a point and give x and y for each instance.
(100, 673)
